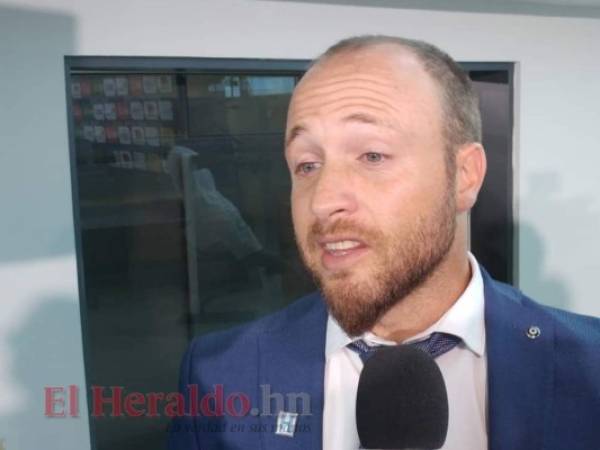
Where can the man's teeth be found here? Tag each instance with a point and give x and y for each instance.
(341, 245)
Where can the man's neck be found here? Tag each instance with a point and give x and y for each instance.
(429, 302)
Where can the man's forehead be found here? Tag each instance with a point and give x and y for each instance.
(385, 60)
(388, 75)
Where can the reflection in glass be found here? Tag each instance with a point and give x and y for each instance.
(184, 222)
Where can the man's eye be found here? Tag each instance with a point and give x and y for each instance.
(306, 168)
(373, 157)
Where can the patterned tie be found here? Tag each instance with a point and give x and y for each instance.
(435, 345)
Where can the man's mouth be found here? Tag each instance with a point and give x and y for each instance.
(341, 252)
(338, 246)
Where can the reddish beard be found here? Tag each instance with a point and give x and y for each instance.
(403, 261)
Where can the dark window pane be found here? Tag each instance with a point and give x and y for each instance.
(184, 222)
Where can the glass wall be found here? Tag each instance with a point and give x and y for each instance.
(183, 218)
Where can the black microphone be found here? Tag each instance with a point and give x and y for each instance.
(401, 401)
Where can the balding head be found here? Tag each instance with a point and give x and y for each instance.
(459, 102)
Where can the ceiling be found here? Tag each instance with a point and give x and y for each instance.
(560, 8)
(566, 2)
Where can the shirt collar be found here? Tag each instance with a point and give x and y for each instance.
(464, 319)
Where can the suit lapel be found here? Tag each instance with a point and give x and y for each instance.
(520, 369)
(292, 361)
(520, 372)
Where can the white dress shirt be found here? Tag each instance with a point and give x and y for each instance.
(464, 369)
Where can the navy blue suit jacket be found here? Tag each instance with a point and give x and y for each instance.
(543, 393)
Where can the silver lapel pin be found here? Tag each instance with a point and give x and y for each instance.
(534, 332)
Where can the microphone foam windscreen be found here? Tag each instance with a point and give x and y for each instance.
(401, 400)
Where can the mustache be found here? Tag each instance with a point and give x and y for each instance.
(341, 226)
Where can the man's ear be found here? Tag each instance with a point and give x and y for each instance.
(471, 166)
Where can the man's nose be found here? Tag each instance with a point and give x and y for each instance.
(333, 194)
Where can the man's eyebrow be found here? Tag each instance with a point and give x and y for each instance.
(365, 118)
(296, 131)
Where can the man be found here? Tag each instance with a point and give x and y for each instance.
(383, 146)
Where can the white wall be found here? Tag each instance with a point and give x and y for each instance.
(557, 152)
